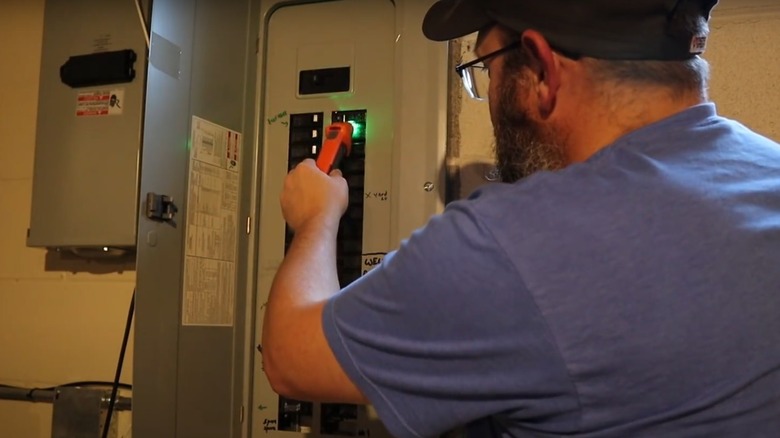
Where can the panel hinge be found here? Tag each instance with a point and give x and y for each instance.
(248, 225)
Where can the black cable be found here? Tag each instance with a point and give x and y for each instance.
(94, 383)
(87, 383)
(115, 388)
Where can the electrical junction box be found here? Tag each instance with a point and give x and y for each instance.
(81, 413)
(365, 62)
(90, 115)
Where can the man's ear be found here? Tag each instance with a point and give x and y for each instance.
(546, 70)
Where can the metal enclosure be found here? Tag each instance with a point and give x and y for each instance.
(188, 380)
(366, 62)
(85, 186)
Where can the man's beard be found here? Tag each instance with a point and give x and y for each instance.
(523, 147)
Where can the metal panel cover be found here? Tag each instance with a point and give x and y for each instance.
(85, 187)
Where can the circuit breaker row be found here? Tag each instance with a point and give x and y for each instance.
(306, 132)
(305, 141)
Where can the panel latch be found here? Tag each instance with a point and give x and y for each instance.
(160, 207)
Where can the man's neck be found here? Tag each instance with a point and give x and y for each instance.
(602, 124)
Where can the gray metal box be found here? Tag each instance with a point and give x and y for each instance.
(85, 186)
(81, 413)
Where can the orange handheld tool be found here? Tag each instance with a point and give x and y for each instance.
(337, 145)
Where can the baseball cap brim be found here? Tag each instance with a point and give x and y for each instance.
(449, 19)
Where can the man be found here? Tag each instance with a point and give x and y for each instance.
(623, 282)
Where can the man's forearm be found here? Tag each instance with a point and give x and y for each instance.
(308, 273)
(306, 278)
(296, 353)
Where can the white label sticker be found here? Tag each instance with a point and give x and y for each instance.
(98, 103)
(699, 44)
(212, 230)
(372, 260)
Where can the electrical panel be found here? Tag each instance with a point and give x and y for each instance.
(90, 115)
(364, 62)
(314, 78)
(191, 320)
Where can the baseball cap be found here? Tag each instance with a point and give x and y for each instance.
(605, 29)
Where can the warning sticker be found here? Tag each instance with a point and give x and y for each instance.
(100, 103)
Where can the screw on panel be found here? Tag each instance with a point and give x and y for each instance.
(493, 175)
(429, 186)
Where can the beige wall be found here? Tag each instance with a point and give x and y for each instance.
(55, 327)
(745, 67)
(745, 84)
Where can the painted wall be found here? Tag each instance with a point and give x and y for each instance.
(745, 68)
(745, 84)
(56, 326)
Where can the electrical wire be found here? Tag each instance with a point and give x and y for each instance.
(142, 19)
(89, 383)
(95, 383)
(120, 362)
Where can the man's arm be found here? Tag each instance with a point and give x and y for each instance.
(297, 358)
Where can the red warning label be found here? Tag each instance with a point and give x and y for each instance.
(100, 103)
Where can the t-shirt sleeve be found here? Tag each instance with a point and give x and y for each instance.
(443, 332)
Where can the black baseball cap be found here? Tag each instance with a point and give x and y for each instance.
(604, 29)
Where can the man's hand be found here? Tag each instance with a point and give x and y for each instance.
(311, 197)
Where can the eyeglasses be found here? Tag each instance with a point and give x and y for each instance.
(474, 74)
(475, 77)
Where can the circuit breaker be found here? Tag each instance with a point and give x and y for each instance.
(364, 62)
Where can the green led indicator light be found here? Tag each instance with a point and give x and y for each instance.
(358, 129)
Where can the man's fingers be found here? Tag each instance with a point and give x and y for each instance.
(307, 162)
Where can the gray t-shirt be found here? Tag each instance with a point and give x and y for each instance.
(636, 294)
